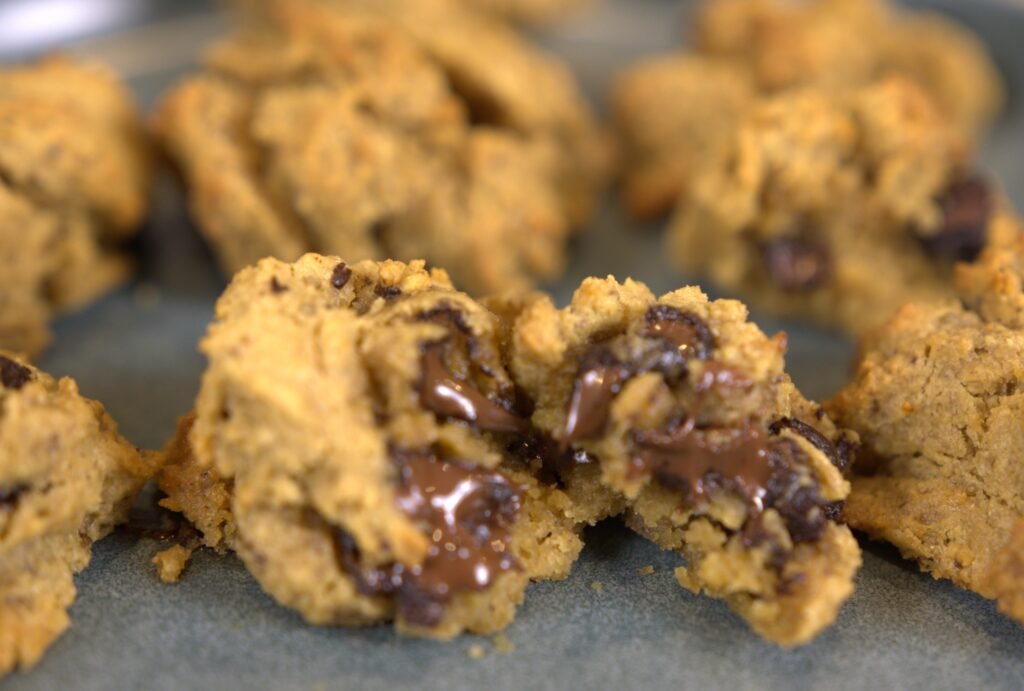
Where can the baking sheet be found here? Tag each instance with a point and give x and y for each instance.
(606, 626)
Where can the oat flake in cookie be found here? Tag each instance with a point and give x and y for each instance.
(386, 128)
(681, 408)
(938, 402)
(352, 442)
(840, 208)
(74, 185)
(66, 479)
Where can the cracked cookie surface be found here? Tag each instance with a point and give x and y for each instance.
(840, 208)
(387, 129)
(66, 479)
(351, 442)
(680, 410)
(73, 186)
(936, 398)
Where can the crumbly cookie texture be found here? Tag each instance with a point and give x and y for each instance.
(73, 184)
(389, 128)
(676, 113)
(936, 397)
(682, 409)
(66, 479)
(356, 442)
(840, 208)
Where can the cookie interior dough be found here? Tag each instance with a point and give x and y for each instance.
(66, 479)
(840, 208)
(676, 113)
(936, 398)
(681, 410)
(389, 128)
(73, 186)
(357, 442)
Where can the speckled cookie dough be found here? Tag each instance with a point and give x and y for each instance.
(840, 209)
(675, 113)
(66, 478)
(681, 408)
(356, 441)
(936, 397)
(387, 129)
(73, 185)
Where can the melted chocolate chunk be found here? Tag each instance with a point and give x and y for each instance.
(468, 513)
(9, 495)
(341, 275)
(797, 264)
(13, 375)
(685, 330)
(799, 504)
(967, 205)
(840, 459)
(448, 396)
(600, 379)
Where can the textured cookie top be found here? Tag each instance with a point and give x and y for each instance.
(845, 43)
(398, 129)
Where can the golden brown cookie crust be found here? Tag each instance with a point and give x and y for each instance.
(66, 479)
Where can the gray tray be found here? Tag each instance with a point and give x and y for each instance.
(135, 351)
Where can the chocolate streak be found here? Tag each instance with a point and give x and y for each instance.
(13, 375)
(444, 394)
(468, 513)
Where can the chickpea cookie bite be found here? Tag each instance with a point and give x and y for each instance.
(682, 408)
(74, 183)
(66, 479)
(936, 398)
(353, 441)
(839, 209)
(386, 129)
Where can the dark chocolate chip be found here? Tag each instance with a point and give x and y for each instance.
(387, 292)
(684, 330)
(9, 495)
(839, 457)
(12, 374)
(448, 396)
(277, 287)
(966, 208)
(340, 275)
(599, 380)
(797, 264)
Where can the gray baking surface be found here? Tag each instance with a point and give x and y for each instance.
(136, 352)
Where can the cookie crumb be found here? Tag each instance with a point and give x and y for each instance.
(476, 651)
(645, 571)
(171, 562)
(597, 586)
(503, 644)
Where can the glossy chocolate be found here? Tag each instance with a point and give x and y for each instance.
(684, 330)
(448, 396)
(13, 375)
(340, 275)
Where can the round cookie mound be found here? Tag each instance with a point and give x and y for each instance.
(389, 128)
(937, 400)
(681, 408)
(350, 442)
(73, 183)
(840, 208)
(66, 479)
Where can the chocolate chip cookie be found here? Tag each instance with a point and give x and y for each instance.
(73, 186)
(840, 208)
(682, 409)
(529, 11)
(676, 113)
(66, 478)
(387, 129)
(357, 441)
(936, 398)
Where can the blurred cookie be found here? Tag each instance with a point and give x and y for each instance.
(387, 129)
(66, 479)
(353, 443)
(840, 208)
(937, 400)
(74, 184)
(681, 409)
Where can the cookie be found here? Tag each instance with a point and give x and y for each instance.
(681, 408)
(386, 129)
(66, 479)
(937, 402)
(676, 113)
(356, 441)
(73, 186)
(530, 11)
(840, 208)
